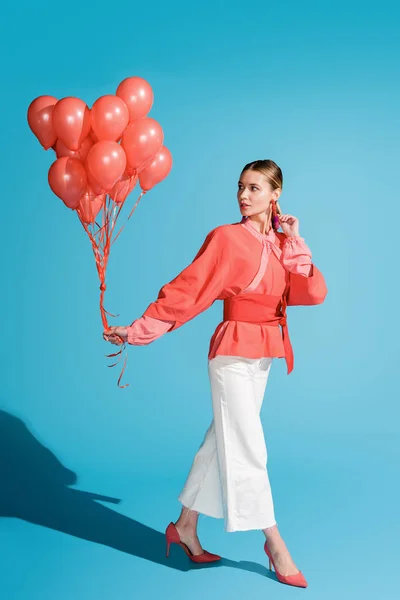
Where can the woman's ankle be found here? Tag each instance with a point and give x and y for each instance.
(272, 533)
(187, 520)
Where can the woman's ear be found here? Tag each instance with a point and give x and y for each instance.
(276, 193)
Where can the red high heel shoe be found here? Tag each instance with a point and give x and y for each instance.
(297, 579)
(172, 536)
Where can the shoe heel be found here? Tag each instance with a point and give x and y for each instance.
(168, 545)
(270, 568)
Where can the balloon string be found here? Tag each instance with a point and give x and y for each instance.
(101, 250)
(131, 213)
(121, 375)
(137, 202)
(119, 353)
(110, 314)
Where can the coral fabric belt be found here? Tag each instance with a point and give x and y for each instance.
(263, 309)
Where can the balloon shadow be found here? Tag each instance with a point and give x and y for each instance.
(35, 487)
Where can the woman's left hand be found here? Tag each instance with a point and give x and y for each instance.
(290, 225)
(116, 335)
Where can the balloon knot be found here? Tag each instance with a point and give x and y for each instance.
(103, 287)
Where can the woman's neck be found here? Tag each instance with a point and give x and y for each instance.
(259, 224)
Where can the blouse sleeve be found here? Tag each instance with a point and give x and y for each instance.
(198, 285)
(296, 256)
(145, 330)
(307, 290)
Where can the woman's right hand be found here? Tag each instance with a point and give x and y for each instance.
(116, 335)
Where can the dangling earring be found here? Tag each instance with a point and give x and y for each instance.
(275, 218)
(267, 223)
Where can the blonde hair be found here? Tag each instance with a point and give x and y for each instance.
(274, 176)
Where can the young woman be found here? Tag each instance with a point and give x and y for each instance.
(257, 272)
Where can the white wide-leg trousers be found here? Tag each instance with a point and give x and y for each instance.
(228, 478)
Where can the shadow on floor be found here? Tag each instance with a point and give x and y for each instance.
(35, 487)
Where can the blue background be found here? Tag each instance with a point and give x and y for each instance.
(315, 87)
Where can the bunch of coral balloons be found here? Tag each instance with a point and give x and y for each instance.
(101, 154)
(102, 150)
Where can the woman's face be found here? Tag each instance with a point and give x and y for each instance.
(255, 194)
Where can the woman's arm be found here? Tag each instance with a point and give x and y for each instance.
(296, 256)
(307, 284)
(188, 294)
(198, 285)
(305, 291)
(145, 330)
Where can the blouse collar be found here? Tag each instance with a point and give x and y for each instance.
(270, 236)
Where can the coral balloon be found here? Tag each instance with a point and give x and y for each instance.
(123, 188)
(40, 120)
(71, 121)
(137, 95)
(94, 186)
(93, 136)
(90, 206)
(67, 179)
(141, 142)
(157, 170)
(62, 150)
(106, 162)
(109, 117)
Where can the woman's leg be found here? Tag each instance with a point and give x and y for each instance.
(202, 489)
(238, 387)
(201, 492)
(282, 559)
(187, 529)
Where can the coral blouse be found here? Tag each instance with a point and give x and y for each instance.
(279, 256)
